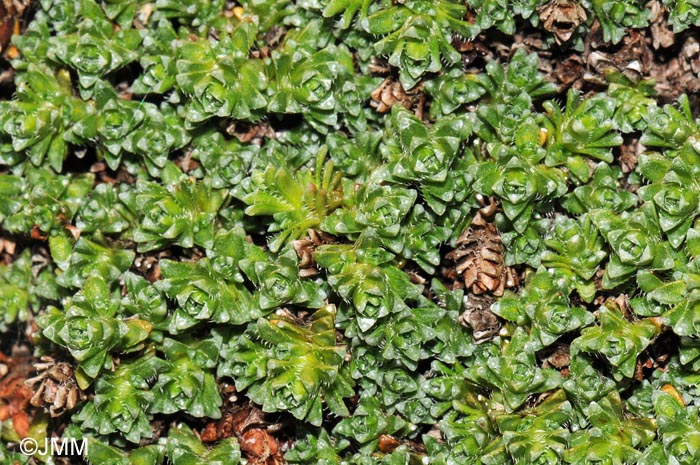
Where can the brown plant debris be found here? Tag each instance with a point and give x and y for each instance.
(186, 163)
(7, 250)
(661, 33)
(390, 93)
(632, 57)
(680, 73)
(562, 18)
(305, 250)
(568, 71)
(387, 443)
(629, 155)
(105, 175)
(11, 12)
(148, 265)
(558, 358)
(254, 133)
(379, 66)
(622, 302)
(54, 387)
(471, 50)
(479, 257)
(247, 424)
(14, 394)
(477, 316)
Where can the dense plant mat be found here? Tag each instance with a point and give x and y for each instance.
(350, 231)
